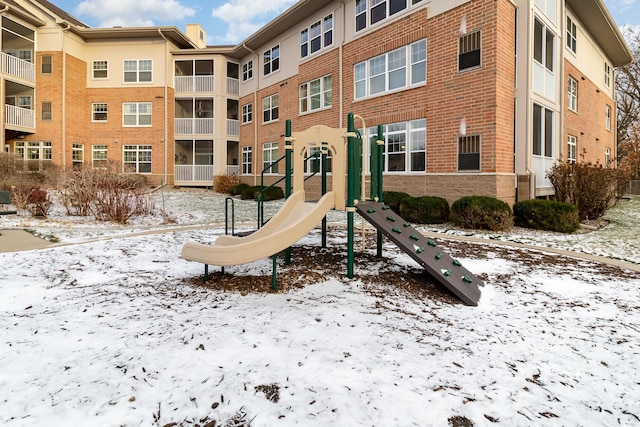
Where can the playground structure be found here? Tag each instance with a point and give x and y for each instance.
(297, 217)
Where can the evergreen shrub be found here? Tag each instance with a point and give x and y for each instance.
(547, 215)
(481, 212)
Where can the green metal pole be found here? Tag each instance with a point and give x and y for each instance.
(350, 196)
(288, 145)
(379, 161)
(324, 190)
(274, 284)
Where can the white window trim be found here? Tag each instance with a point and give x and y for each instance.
(607, 117)
(247, 71)
(271, 59)
(138, 149)
(322, 36)
(322, 94)
(411, 127)
(572, 101)
(572, 35)
(137, 114)
(271, 108)
(77, 148)
(93, 69)
(367, 13)
(271, 147)
(572, 141)
(247, 160)
(93, 112)
(137, 71)
(99, 148)
(245, 113)
(607, 75)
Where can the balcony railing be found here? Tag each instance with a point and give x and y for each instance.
(233, 86)
(233, 170)
(22, 117)
(233, 127)
(193, 173)
(18, 68)
(193, 126)
(194, 84)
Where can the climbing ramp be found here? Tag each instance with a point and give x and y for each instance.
(441, 266)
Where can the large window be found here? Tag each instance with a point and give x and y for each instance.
(138, 70)
(100, 69)
(572, 148)
(469, 51)
(247, 71)
(136, 114)
(469, 153)
(318, 36)
(99, 112)
(572, 35)
(572, 93)
(315, 95)
(405, 146)
(77, 155)
(269, 156)
(137, 158)
(271, 59)
(542, 131)
(543, 45)
(99, 156)
(398, 69)
(369, 12)
(247, 160)
(33, 150)
(247, 113)
(270, 108)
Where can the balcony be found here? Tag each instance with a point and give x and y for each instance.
(193, 126)
(201, 174)
(191, 84)
(233, 127)
(18, 68)
(20, 117)
(233, 86)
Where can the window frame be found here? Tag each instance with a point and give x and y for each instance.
(137, 72)
(405, 135)
(46, 113)
(364, 11)
(572, 35)
(247, 70)
(544, 147)
(324, 96)
(77, 153)
(247, 113)
(96, 155)
(137, 114)
(572, 148)
(324, 37)
(138, 150)
(548, 39)
(469, 142)
(607, 75)
(94, 70)
(271, 108)
(96, 113)
(247, 160)
(271, 60)
(470, 39)
(607, 117)
(41, 150)
(272, 148)
(572, 94)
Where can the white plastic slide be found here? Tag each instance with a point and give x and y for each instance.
(292, 222)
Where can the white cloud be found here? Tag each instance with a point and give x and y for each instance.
(244, 17)
(134, 13)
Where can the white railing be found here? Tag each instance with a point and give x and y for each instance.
(233, 86)
(233, 170)
(193, 126)
(233, 127)
(22, 117)
(18, 68)
(193, 173)
(194, 83)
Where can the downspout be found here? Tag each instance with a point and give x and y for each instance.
(255, 122)
(64, 97)
(341, 62)
(166, 106)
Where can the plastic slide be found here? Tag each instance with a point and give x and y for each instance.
(292, 222)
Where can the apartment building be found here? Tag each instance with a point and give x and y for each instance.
(475, 96)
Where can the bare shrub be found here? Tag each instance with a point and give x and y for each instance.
(224, 183)
(590, 186)
(34, 200)
(118, 199)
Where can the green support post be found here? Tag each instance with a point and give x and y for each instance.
(351, 194)
(274, 281)
(288, 145)
(377, 153)
(325, 148)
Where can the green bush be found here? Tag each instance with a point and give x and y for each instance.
(425, 210)
(481, 212)
(237, 189)
(393, 199)
(547, 215)
(251, 192)
(272, 193)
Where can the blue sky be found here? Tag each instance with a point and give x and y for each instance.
(229, 21)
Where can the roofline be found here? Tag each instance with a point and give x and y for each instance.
(171, 33)
(27, 16)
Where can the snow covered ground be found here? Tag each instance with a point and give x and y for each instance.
(122, 332)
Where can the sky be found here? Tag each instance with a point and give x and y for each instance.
(231, 21)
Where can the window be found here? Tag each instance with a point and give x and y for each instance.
(77, 155)
(99, 156)
(33, 150)
(316, 37)
(136, 114)
(270, 108)
(99, 112)
(378, 10)
(400, 68)
(138, 70)
(542, 131)
(269, 156)
(572, 148)
(314, 161)
(247, 71)
(607, 158)
(405, 146)
(137, 158)
(469, 51)
(607, 75)
(572, 35)
(46, 64)
(100, 69)
(469, 153)
(247, 113)
(271, 60)
(543, 45)
(572, 88)
(315, 95)
(46, 111)
(361, 14)
(247, 160)
(24, 101)
(548, 7)
(607, 117)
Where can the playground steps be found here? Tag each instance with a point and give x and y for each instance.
(449, 272)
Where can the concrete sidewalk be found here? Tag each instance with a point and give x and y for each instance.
(20, 240)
